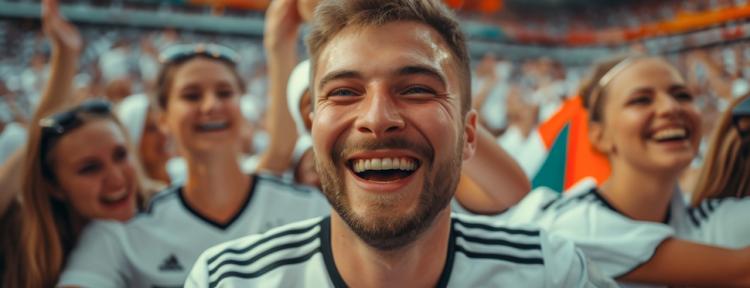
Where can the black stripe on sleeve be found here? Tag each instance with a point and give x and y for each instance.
(499, 242)
(264, 270)
(496, 228)
(261, 241)
(691, 213)
(703, 213)
(500, 257)
(257, 257)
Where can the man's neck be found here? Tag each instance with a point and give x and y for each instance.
(418, 264)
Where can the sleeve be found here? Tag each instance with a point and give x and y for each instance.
(98, 259)
(615, 243)
(726, 226)
(567, 266)
(199, 274)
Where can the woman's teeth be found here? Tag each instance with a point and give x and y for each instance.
(212, 126)
(670, 134)
(114, 197)
(405, 164)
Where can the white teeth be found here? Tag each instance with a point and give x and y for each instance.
(405, 164)
(216, 125)
(672, 133)
(114, 197)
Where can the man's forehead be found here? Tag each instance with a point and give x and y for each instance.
(403, 43)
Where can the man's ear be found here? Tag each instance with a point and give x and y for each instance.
(598, 139)
(470, 134)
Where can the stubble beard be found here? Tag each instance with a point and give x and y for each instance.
(389, 231)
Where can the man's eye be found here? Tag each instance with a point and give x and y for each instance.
(418, 90)
(342, 92)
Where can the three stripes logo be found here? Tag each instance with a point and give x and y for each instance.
(171, 264)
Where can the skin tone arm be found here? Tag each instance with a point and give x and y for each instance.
(280, 40)
(678, 262)
(491, 181)
(66, 47)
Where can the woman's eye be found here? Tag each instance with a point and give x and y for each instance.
(89, 168)
(120, 154)
(640, 100)
(191, 96)
(225, 93)
(684, 96)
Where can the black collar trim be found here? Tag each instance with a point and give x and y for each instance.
(338, 281)
(609, 205)
(222, 226)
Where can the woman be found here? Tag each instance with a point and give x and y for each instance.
(198, 93)
(68, 179)
(643, 119)
(720, 201)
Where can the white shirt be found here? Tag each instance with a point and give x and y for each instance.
(722, 222)
(158, 247)
(614, 243)
(480, 254)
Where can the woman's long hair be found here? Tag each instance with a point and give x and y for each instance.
(726, 169)
(50, 227)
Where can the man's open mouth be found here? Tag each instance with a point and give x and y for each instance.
(384, 169)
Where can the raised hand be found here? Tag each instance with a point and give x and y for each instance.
(283, 21)
(63, 35)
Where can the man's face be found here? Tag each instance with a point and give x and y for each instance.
(388, 131)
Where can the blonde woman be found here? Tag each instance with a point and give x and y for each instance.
(642, 117)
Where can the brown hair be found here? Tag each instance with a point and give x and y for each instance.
(726, 170)
(50, 226)
(165, 78)
(331, 16)
(592, 93)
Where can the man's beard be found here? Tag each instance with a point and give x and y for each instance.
(390, 231)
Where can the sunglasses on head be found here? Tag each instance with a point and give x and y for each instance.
(58, 124)
(179, 53)
(741, 118)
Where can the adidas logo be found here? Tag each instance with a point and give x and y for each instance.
(170, 264)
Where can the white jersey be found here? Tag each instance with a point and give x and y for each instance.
(613, 242)
(722, 222)
(480, 254)
(158, 247)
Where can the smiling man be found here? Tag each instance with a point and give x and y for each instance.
(391, 128)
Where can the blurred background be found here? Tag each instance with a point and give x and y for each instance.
(528, 55)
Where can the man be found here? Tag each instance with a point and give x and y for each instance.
(391, 127)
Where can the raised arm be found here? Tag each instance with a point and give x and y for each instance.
(491, 181)
(678, 262)
(66, 48)
(280, 40)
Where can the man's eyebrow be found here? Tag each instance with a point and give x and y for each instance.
(422, 70)
(343, 74)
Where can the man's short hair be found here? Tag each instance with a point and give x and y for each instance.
(331, 16)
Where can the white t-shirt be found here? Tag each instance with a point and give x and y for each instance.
(480, 254)
(722, 222)
(158, 247)
(614, 243)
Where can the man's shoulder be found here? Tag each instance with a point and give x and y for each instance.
(251, 256)
(479, 237)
